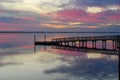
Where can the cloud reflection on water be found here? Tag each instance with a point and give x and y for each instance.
(91, 66)
(56, 66)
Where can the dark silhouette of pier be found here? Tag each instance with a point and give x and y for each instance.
(89, 50)
(78, 43)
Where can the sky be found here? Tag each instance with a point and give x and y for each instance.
(51, 15)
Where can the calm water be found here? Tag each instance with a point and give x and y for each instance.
(19, 62)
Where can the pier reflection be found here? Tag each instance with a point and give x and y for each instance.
(90, 50)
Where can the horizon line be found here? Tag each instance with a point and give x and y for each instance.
(57, 32)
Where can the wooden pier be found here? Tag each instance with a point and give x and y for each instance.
(82, 42)
(47, 43)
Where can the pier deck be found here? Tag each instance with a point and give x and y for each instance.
(82, 42)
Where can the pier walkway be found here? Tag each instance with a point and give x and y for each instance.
(82, 42)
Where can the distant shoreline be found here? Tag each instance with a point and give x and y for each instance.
(52, 32)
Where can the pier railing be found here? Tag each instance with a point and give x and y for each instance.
(82, 41)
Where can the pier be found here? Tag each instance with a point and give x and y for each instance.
(82, 42)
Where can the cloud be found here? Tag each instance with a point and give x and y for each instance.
(44, 14)
(84, 17)
(16, 19)
(102, 9)
(18, 23)
(88, 68)
(10, 0)
(94, 9)
(113, 7)
(75, 23)
(42, 6)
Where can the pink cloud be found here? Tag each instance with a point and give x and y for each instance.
(81, 15)
(114, 17)
(17, 25)
(8, 26)
(71, 14)
(28, 18)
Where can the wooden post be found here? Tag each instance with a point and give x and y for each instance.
(104, 44)
(79, 44)
(118, 43)
(95, 44)
(34, 43)
(92, 44)
(114, 44)
(82, 44)
(45, 37)
(85, 44)
(45, 41)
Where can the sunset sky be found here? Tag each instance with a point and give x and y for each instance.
(51, 15)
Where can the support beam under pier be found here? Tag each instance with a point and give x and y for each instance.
(104, 44)
(94, 44)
